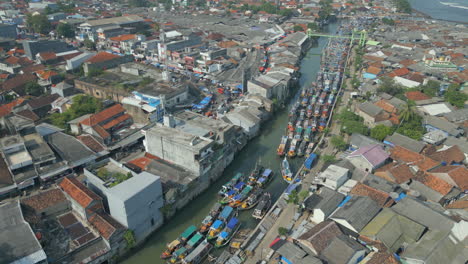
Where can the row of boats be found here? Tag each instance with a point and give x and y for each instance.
(309, 114)
(217, 229)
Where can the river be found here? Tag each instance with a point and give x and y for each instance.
(452, 10)
(262, 149)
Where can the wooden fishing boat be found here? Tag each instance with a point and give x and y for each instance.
(228, 233)
(282, 147)
(252, 200)
(226, 187)
(199, 253)
(263, 206)
(266, 177)
(286, 171)
(170, 248)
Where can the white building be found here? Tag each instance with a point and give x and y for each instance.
(333, 177)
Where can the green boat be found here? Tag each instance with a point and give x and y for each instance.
(194, 241)
(178, 255)
(188, 232)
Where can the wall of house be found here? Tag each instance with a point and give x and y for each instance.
(257, 89)
(368, 120)
(106, 64)
(101, 92)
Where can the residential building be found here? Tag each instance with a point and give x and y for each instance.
(181, 148)
(371, 114)
(77, 61)
(7, 183)
(432, 123)
(8, 31)
(103, 125)
(33, 48)
(368, 158)
(323, 203)
(400, 140)
(358, 140)
(45, 204)
(333, 177)
(133, 199)
(356, 213)
(70, 149)
(83, 200)
(244, 118)
(63, 89)
(19, 243)
(89, 29)
(104, 60)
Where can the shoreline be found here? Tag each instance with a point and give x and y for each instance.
(427, 16)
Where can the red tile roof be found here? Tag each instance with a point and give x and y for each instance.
(460, 204)
(380, 197)
(407, 62)
(401, 71)
(104, 115)
(433, 182)
(102, 56)
(23, 61)
(105, 224)
(373, 70)
(381, 258)
(416, 96)
(400, 173)
(386, 106)
(48, 55)
(45, 75)
(123, 37)
(7, 108)
(91, 143)
(44, 200)
(424, 163)
(459, 175)
(78, 192)
(141, 162)
(450, 155)
(101, 131)
(116, 121)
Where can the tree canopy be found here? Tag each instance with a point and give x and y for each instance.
(65, 30)
(431, 88)
(33, 88)
(297, 28)
(388, 21)
(455, 97)
(339, 142)
(389, 86)
(81, 105)
(38, 23)
(380, 132)
(403, 6)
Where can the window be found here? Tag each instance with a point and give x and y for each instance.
(152, 221)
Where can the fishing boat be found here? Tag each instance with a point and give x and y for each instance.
(282, 147)
(309, 149)
(252, 200)
(194, 241)
(292, 148)
(170, 248)
(226, 187)
(238, 199)
(206, 223)
(199, 253)
(217, 226)
(302, 148)
(188, 233)
(263, 206)
(230, 194)
(308, 132)
(227, 213)
(255, 174)
(178, 255)
(266, 177)
(228, 232)
(286, 171)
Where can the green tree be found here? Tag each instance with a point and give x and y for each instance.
(380, 132)
(328, 158)
(388, 21)
(408, 112)
(431, 88)
(455, 97)
(388, 85)
(65, 30)
(38, 23)
(33, 88)
(297, 28)
(293, 198)
(138, 3)
(403, 6)
(313, 26)
(285, 12)
(303, 195)
(89, 44)
(339, 143)
(81, 105)
(350, 127)
(282, 231)
(118, 14)
(156, 27)
(413, 128)
(129, 238)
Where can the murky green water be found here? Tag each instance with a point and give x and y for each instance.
(262, 149)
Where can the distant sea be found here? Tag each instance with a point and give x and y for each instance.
(451, 10)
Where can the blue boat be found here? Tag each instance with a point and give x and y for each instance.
(266, 177)
(228, 232)
(217, 226)
(226, 213)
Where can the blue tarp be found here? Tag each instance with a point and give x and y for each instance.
(262, 180)
(290, 188)
(231, 192)
(266, 172)
(232, 223)
(226, 212)
(346, 199)
(401, 196)
(217, 224)
(310, 160)
(238, 197)
(239, 86)
(224, 235)
(367, 75)
(286, 260)
(239, 185)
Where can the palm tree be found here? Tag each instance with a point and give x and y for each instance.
(408, 112)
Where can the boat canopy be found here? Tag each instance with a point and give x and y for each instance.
(290, 188)
(188, 232)
(207, 220)
(232, 223)
(231, 192)
(239, 185)
(173, 244)
(262, 180)
(197, 251)
(224, 235)
(226, 212)
(180, 251)
(266, 173)
(217, 224)
(238, 197)
(195, 239)
(246, 190)
(237, 177)
(216, 207)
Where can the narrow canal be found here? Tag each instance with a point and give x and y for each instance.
(261, 149)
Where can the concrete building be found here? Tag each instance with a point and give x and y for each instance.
(77, 61)
(323, 203)
(8, 31)
(356, 213)
(333, 177)
(63, 89)
(371, 114)
(32, 48)
(249, 122)
(83, 200)
(133, 200)
(181, 148)
(88, 29)
(368, 158)
(18, 241)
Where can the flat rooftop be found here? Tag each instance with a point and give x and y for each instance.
(191, 119)
(180, 137)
